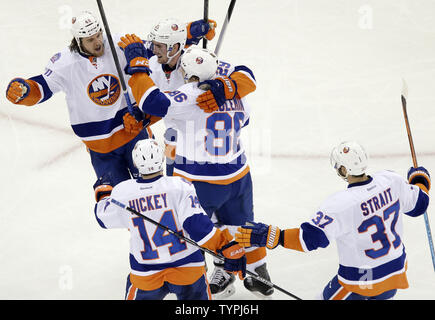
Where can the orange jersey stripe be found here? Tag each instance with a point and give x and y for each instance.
(111, 143)
(218, 240)
(292, 239)
(139, 83)
(116, 140)
(255, 255)
(244, 85)
(220, 182)
(178, 276)
(398, 281)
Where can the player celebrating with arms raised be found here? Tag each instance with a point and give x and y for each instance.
(86, 72)
(366, 222)
(209, 152)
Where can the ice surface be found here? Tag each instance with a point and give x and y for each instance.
(326, 71)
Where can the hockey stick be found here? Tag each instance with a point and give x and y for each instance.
(404, 96)
(115, 57)
(181, 237)
(224, 27)
(204, 40)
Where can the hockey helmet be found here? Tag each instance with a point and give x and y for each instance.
(170, 32)
(84, 25)
(148, 156)
(350, 155)
(199, 62)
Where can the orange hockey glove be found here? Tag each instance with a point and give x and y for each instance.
(131, 125)
(103, 187)
(23, 92)
(221, 90)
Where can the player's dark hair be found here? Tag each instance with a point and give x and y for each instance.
(74, 46)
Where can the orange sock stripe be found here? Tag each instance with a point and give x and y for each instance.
(342, 293)
(131, 293)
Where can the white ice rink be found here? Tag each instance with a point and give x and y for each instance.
(326, 71)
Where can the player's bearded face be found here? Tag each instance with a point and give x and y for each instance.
(94, 45)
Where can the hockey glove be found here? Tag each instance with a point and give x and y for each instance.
(103, 187)
(135, 53)
(235, 259)
(24, 92)
(419, 176)
(134, 123)
(221, 89)
(197, 30)
(258, 235)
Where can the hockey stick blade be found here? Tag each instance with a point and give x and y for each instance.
(181, 237)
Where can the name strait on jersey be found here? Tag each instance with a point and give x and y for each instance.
(377, 202)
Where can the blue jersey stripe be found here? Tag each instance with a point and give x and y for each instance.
(420, 206)
(197, 256)
(356, 274)
(246, 69)
(47, 93)
(97, 128)
(209, 169)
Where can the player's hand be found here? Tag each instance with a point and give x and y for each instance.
(135, 53)
(17, 90)
(235, 259)
(22, 91)
(258, 235)
(419, 175)
(197, 30)
(103, 187)
(134, 123)
(221, 90)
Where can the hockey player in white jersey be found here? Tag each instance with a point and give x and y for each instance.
(168, 38)
(366, 222)
(85, 71)
(209, 152)
(160, 262)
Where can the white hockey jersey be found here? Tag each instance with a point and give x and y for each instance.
(156, 255)
(94, 96)
(366, 222)
(166, 82)
(209, 148)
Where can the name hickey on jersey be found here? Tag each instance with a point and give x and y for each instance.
(147, 203)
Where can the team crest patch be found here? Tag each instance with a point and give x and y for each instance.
(104, 90)
(199, 60)
(54, 58)
(174, 27)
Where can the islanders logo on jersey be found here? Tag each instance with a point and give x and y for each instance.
(104, 90)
